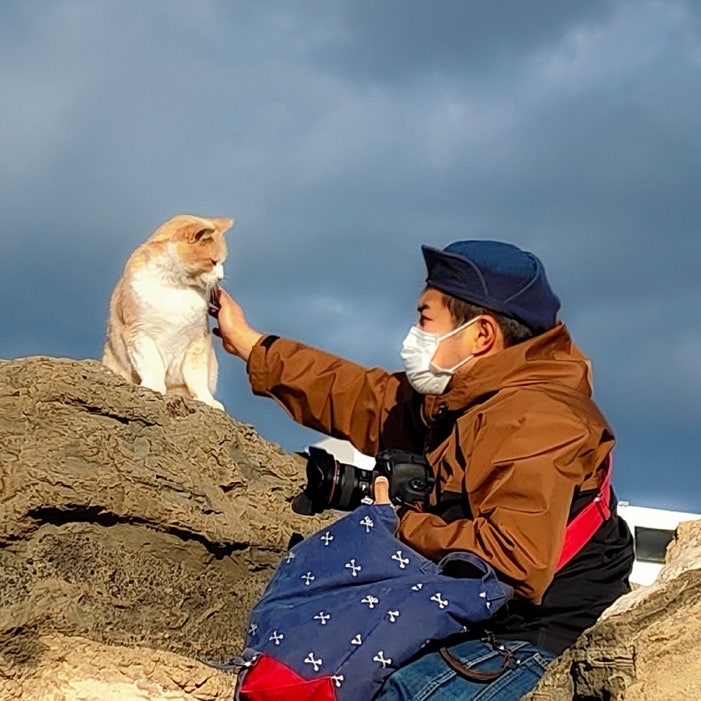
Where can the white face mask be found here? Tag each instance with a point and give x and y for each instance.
(417, 353)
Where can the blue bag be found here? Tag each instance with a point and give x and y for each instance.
(352, 603)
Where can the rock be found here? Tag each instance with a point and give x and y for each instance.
(137, 530)
(132, 525)
(645, 646)
(73, 668)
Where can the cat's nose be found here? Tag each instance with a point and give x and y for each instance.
(214, 262)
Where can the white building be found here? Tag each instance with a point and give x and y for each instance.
(653, 530)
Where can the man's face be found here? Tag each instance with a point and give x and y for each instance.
(434, 317)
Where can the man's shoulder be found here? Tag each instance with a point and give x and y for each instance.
(537, 403)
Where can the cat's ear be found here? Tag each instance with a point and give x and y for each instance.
(223, 224)
(202, 235)
(196, 232)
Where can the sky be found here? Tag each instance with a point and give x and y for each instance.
(342, 135)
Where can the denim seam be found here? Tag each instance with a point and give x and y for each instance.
(542, 661)
(493, 691)
(435, 683)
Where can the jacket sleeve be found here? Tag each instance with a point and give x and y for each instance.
(371, 408)
(520, 483)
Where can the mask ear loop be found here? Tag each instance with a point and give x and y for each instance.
(451, 370)
(458, 329)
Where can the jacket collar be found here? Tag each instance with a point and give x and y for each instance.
(550, 358)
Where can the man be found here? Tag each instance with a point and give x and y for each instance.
(498, 398)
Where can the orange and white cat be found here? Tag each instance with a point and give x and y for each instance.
(157, 335)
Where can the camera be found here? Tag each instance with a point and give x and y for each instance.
(332, 484)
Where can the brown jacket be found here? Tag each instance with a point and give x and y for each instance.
(516, 436)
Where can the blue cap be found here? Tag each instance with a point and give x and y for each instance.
(497, 276)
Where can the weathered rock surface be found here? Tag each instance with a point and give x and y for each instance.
(135, 533)
(137, 530)
(73, 668)
(645, 647)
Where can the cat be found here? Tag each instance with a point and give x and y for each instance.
(157, 333)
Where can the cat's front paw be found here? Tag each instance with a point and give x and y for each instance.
(211, 401)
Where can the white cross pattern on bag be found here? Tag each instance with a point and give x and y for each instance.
(308, 578)
(338, 679)
(309, 659)
(380, 657)
(358, 640)
(393, 616)
(327, 538)
(276, 637)
(487, 602)
(417, 587)
(252, 628)
(442, 603)
(403, 561)
(368, 523)
(370, 600)
(323, 617)
(353, 567)
(289, 557)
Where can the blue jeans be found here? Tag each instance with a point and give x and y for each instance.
(430, 677)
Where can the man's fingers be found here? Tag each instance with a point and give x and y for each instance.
(381, 490)
(224, 296)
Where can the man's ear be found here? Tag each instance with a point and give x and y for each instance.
(488, 337)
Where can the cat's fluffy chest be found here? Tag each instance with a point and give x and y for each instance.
(176, 314)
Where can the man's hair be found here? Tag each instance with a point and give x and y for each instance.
(514, 331)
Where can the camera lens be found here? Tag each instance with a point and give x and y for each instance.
(331, 485)
(351, 486)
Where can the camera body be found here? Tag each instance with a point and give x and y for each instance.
(332, 484)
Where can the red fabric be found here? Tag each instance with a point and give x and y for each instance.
(270, 680)
(583, 526)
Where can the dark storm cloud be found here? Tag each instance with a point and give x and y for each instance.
(397, 41)
(344, 135)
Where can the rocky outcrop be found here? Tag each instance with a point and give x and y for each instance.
(74, 668)
(136, 531)
(645, 647)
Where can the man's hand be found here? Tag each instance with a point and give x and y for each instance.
(380, 489)
(237, 336)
